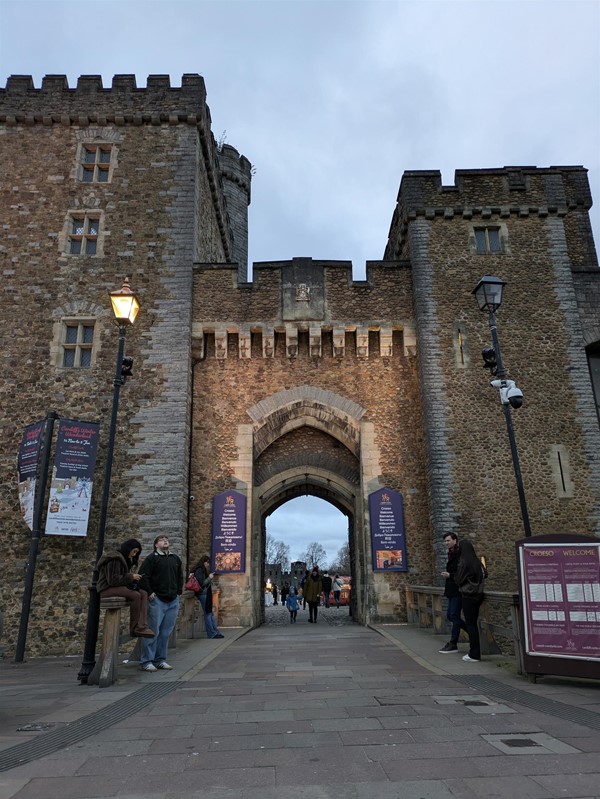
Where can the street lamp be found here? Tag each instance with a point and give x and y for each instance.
(125, 306)
(488, 294)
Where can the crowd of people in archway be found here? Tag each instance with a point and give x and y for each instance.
(315, 589)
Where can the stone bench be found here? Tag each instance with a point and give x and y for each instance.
(104, 672)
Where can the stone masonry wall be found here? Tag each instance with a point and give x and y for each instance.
(542, 334)
(157, 214)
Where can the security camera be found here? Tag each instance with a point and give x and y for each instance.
(192, 497)
(510, 394)
(515, 396)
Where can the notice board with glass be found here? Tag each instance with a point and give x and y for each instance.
(559, 585)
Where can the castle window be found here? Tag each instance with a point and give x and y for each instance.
(84, 230)
(95, 163)
(77, 344)
(487, 240)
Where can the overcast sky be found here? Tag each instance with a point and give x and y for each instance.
(332, 100)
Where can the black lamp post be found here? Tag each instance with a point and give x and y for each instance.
(488, 293)
(125, 307)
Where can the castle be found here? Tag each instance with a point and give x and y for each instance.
(302, 381)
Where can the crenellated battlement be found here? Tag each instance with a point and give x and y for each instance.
(304, 307)
(510, 191)
(123, 102)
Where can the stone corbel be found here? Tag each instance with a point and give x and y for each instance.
(362, 342)
(198, 342)
(221, 343)
(245, 344)
(385, 342)
(339, 341)
(291, 341)
(268, 342)
(315, 342)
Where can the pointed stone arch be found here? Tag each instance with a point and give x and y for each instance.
(306, 405)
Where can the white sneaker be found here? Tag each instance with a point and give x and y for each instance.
(164, 665)
(148, 667)
(474, 660)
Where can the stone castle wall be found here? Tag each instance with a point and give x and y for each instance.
(548, 315)
(161, 209)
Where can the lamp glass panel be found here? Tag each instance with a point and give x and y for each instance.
(125, 307)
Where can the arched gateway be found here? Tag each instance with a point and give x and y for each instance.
(308, 404)
(307, 441)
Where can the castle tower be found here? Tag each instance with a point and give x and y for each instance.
(236, 173)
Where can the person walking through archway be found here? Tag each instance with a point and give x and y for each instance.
(313, 586)
(337, 590)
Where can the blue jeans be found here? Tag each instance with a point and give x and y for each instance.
(209, 619)
(161, 619)
(453, 616)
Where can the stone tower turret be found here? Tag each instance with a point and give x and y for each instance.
(236, 175)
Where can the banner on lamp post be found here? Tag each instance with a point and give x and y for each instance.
(72, 478)
(229, 533)
(388, 544)
(27, 468)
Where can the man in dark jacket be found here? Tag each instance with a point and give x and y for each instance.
(162, 574)
(452, 593)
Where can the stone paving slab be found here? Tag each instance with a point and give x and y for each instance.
(260, 717)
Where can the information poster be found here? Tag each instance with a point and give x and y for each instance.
(386, 511)
(27, 464)
(561, 591)
(229, 533)
(72, 478)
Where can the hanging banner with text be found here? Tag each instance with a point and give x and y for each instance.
(229, 533)
(27, 466)
(560, 585)
(386, 510)
(72, 478)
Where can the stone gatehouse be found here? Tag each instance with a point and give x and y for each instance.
(300, 381)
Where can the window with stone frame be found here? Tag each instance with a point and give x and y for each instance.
(83, 233)
(77, 343)
(488, 240)
(95, 163)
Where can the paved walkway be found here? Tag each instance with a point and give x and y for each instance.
(325, 711)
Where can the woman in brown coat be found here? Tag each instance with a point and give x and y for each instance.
(313, 586)
(117, 578)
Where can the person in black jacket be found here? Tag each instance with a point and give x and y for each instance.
(452, 594)
(469, 578)
(163, 579)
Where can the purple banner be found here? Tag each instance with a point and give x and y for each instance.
(72, 478)
(229, 533)
(561, 591)
(27, 465)
(386, 510)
